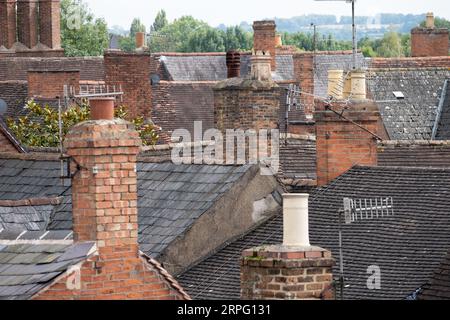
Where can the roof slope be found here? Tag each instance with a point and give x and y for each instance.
(325, 62)
(27, 268)
(408, 247)
(443, 130)
(171, 197)
(411, 118)
(439, 286)
(431, 154)
(212, 67)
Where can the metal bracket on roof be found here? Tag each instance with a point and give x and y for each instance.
(67, 160)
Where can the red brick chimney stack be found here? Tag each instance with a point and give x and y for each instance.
(304, 75)
(8, 20)
(50, 23)
(264, 38)
(233, 64)
(429, 41)
(27, 22)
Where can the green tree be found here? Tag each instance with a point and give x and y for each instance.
(136, 26)
(160, 21)
(81, 33)
(40, 128)
(391, 45)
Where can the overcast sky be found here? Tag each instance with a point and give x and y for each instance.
(229, 12)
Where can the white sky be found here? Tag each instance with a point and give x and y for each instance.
(230, 12)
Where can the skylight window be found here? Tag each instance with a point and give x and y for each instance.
(399, 95)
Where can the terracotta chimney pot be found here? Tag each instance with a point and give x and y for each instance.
(102, 108)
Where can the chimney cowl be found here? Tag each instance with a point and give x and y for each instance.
(102, 108)
(296, 220)
(430, 20)
(140, 40)
(233, 61)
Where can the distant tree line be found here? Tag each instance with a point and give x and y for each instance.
(188, 34)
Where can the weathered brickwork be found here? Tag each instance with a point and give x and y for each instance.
(5, 143)
(7, 23)
(283, 273)
(304, 75)
(132, 72)
(49, 84)
(264, 39)
(417, 62)
(104, 200)
(27, 22)
(246, 106)
(50, 23)
(340, 143)
(429, 42)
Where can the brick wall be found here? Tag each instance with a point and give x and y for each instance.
(246, 106)
(14, 93)
(27, 22)
(105, 211)
(91, 68)
(264, 38)
(5, 143)
(49, 84)
(341, 144)
(7, 23)
(304, 75)
(429, 42)
(50, 23)
(132, 71)
(283, 273)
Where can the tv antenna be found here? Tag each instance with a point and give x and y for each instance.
(360, 210)
(292, 101)
(355, 44)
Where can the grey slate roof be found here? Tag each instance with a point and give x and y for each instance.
(325, 62)
(408, 247)
(21, 179)
(31, 218)
(412, 118)
(443, 129)
(214, 68)
(171, 197)
(439, 286)
(434, 154)
(25, 269)
(298, 159)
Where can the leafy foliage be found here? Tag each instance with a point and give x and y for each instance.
(40, 128)
(160, 21)
(81, 33)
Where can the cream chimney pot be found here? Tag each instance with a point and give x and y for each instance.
(296, 220)
(358, 83)
(336, 83)
(430, 20)
(260, 66)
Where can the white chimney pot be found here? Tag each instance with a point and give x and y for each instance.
(296, 220)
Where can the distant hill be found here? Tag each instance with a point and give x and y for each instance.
(374, 26)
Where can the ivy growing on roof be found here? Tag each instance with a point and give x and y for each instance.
(40, 127)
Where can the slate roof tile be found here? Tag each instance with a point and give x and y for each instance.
(408, 246)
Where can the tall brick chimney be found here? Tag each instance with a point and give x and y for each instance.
(340, 143)
(294, 270)
(104, 208)
(8, 22)
(248, 103)
(27, 22)
(429, 41)
(132, 72)
(233, 60)
(50, 23)
(304, 75)
(264, 39)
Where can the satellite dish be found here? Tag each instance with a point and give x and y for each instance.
(3, 107)
(155, 79)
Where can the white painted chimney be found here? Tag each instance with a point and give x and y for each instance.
(296, 220)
